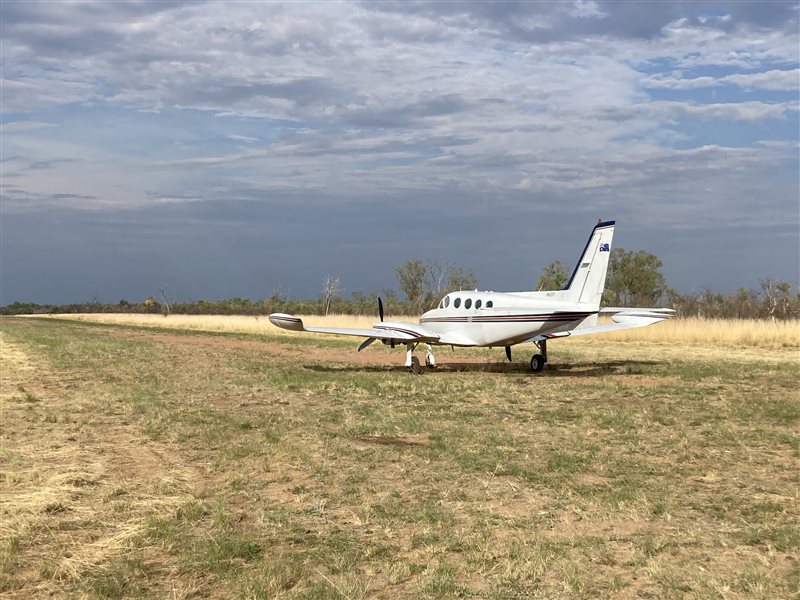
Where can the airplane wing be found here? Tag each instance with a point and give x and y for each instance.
(624, 318)
(391, 331)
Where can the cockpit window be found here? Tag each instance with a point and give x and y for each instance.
(467, 302)
(446, 301)
(456, 302)
(477, 303)
(489, 304)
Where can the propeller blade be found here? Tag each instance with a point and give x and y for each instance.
(508, 353)
(366, 343)
(380, 308)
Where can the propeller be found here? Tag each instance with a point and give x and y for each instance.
(368, 341)
(508, 353)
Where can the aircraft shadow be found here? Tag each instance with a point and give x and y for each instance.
(577, 369)
(354, 368)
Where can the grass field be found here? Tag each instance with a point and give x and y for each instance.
(177, 463)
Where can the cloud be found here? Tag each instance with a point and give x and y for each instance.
(776, 80)
(733, 111)
(545, 22)
(350, 61)
(780, 80)
(242, 138)
(21, 126)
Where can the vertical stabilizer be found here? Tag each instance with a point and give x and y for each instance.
(589, 277)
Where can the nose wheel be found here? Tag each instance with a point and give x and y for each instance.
(412, 362)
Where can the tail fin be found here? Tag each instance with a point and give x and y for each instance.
(589, 277)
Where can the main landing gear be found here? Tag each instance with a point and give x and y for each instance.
(413, 365)
(538, 360)
(412, 362)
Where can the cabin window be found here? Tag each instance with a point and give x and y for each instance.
(467, 302)
(456, 302)
(489, 304)
(477, 303)
(446, 301)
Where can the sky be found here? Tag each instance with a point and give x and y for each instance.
(242, 149)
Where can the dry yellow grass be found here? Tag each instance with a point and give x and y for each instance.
(728, 332)
(239, 324)
(694, 331)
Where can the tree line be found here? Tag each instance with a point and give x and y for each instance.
(634, 279)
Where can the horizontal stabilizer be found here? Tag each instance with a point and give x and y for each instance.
(624, 318)
(628, 310)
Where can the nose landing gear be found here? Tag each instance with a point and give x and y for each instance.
(430, 360)
(412, 362)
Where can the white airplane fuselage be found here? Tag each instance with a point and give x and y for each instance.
(473, 318)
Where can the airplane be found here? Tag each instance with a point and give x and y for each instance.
(504, 319)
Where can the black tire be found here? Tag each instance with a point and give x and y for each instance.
(415, 368)
(428, 363)
(537, 363)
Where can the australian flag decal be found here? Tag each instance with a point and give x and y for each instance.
(603, 247)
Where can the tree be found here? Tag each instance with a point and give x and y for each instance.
(634, 278)
(554, 277)
(777, 297)
(461, 278)
(784, 298)
(443, 279)
(166, 300)
(412, 277)
(437, 279)
(331, 288)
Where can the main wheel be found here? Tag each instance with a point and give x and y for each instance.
(415, 368)
(537, 363)
(429, 362)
